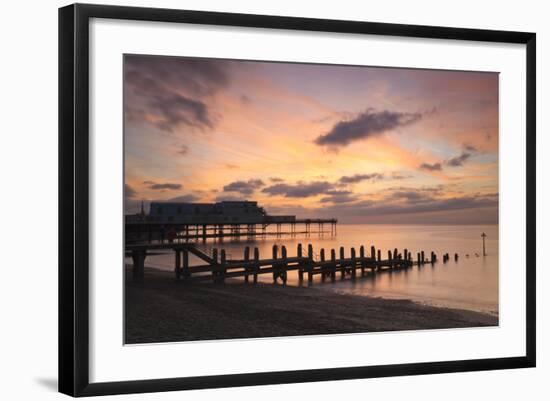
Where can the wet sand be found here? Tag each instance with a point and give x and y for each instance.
(159, 309)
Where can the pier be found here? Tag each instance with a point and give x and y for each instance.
(175, 221)
(151, 231)
(218, 266)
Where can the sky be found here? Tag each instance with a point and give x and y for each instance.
(360, 144)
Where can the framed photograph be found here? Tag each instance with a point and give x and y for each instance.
(251, 199)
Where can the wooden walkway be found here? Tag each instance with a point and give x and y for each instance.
(217, 266)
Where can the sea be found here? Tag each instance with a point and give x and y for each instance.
(469, 283)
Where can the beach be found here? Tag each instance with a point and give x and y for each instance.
(161, 309)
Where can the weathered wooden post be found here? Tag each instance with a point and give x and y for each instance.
(223, 263)
(379, 255)
(362, 257)
(246, 260)
(342, 262)
(274, 265)
(353, 262)
(422, 256)
(322, 257)
(333, 266)
(301, 269)
(138, 258)
(185, 260)
(456, 257)
(310, 263)
(418, 258)
(372, 253)
(484, 236)
(390, 261)
(256, 263)
(215, 255)
(405, 257)
(177, 267)
(283, 273)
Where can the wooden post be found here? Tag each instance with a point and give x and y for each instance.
(353, 261)
(342, 263)
(362, 257)
(138, 258)
(333, 267)
(283, 273)
(379, 255)
(390, 260)
(222, 262)
(310, 267)
(418, 258)
(215, 272)
(275, 268)
(256, 264)
(301, 269)
(177, 267)
(456, 257)
(322, 257)
(372, 253)
(483, 236)
(246, 260)
(422, 256)
(185, 270)
(405, 256)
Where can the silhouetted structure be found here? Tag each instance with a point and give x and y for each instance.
(180, 220)
(218, 267)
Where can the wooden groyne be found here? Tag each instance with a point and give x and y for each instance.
(218, 266)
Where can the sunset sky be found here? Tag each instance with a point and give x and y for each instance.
(361, 144)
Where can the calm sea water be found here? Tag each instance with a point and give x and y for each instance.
(471, 283)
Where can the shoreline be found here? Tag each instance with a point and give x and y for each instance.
(160, 309)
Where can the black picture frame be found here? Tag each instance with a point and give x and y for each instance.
(74, 190)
